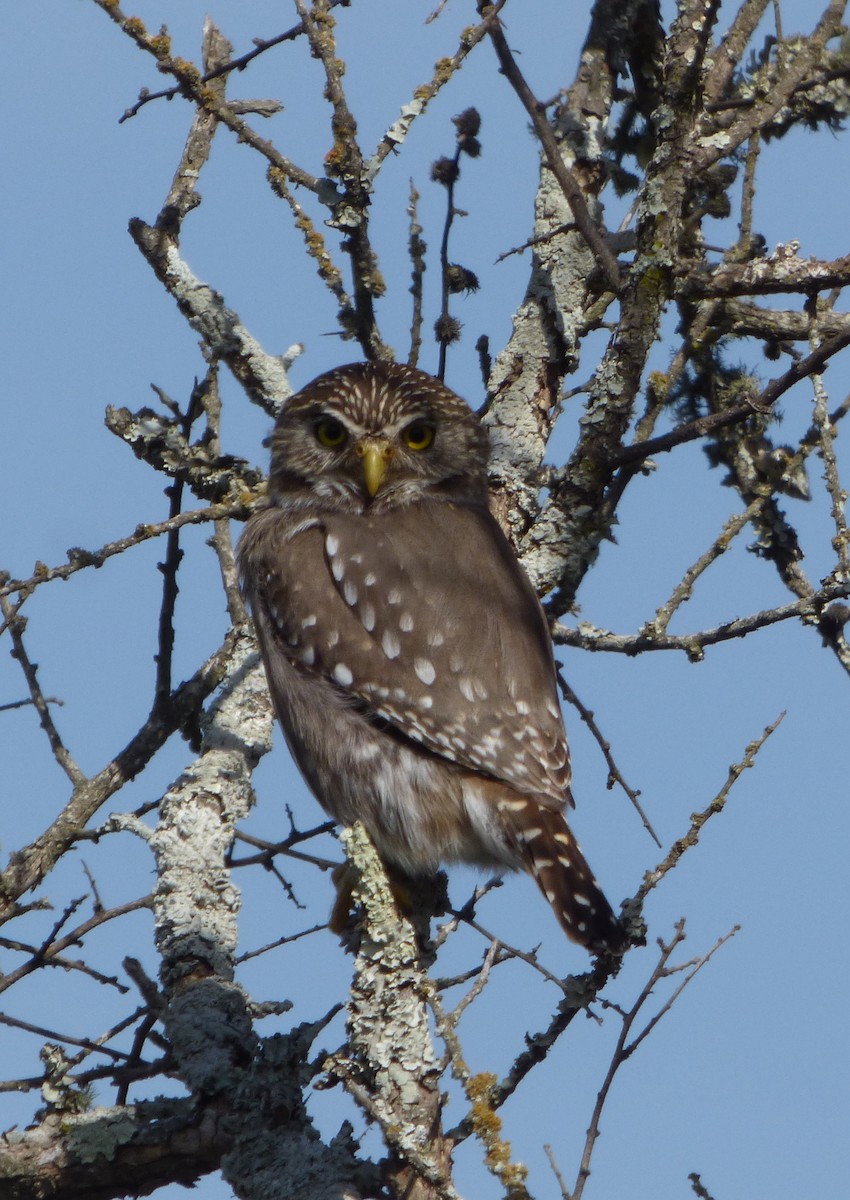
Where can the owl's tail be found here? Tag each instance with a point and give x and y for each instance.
(552, 855)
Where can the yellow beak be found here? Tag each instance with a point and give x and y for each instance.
(376, 455)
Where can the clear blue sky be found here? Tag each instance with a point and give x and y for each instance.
(746, 1080)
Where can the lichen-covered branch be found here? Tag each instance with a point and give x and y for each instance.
(28, 866)
(389, 1065)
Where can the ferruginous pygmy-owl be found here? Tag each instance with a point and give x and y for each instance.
(406, 652)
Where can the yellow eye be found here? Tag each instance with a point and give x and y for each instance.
(418, 435)
(330, 432)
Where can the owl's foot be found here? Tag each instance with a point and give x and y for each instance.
(419, 898)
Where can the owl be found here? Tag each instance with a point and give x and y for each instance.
(407, 655)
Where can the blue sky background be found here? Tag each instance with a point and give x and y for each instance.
(745, 1081)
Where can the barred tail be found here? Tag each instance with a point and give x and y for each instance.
(552, 855)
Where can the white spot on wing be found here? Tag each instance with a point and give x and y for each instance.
(367, 616)
(466, 689)
(512, 805)
(424, 668)
(332, 544)
(342, 674)
(405, 622)
(391, 644)
(349, 590)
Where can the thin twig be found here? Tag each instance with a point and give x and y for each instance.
(81, 560)
(481, 980)
(34, 861)
(683, 591)
(826, 437)
(234, 64)
(190, 85)
(52, 1035)
(480, 1091)
(812, 363)
(425, 93)
(580, 991)
(12, 704)
(281, 941)
(589, 637)
(652, 878)
(550, 1154)
(526, 956)
(466, 911)
(624, 1049)
(446, 326)
(345, 161)
(614, 773)
(50, 952)
(416, 249)
(16, 625)
(585, 224)
(748, 194)
(170, 565)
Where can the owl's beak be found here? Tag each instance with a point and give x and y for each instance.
(376, 455)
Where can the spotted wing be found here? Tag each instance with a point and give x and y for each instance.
(423, 616)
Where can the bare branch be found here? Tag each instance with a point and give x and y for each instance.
(624, 1048)
(190, 85)
(261, 46)
(80, 560)
(587, 226)
(614, 775)
(698, 820)
(480, 1091)
(422, 96)
(29, 865)
(808, 609)
(826, 435)
(16, 625)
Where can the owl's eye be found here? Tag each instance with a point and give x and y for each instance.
(418, 435)
(330, 432)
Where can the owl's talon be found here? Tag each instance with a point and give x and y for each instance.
(345, 879)
(417, 898)
(341, 913)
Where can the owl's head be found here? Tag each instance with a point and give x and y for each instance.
(379, 435)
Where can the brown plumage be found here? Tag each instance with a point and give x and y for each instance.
(407, 655)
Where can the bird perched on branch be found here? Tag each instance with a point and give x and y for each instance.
(408, 657)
